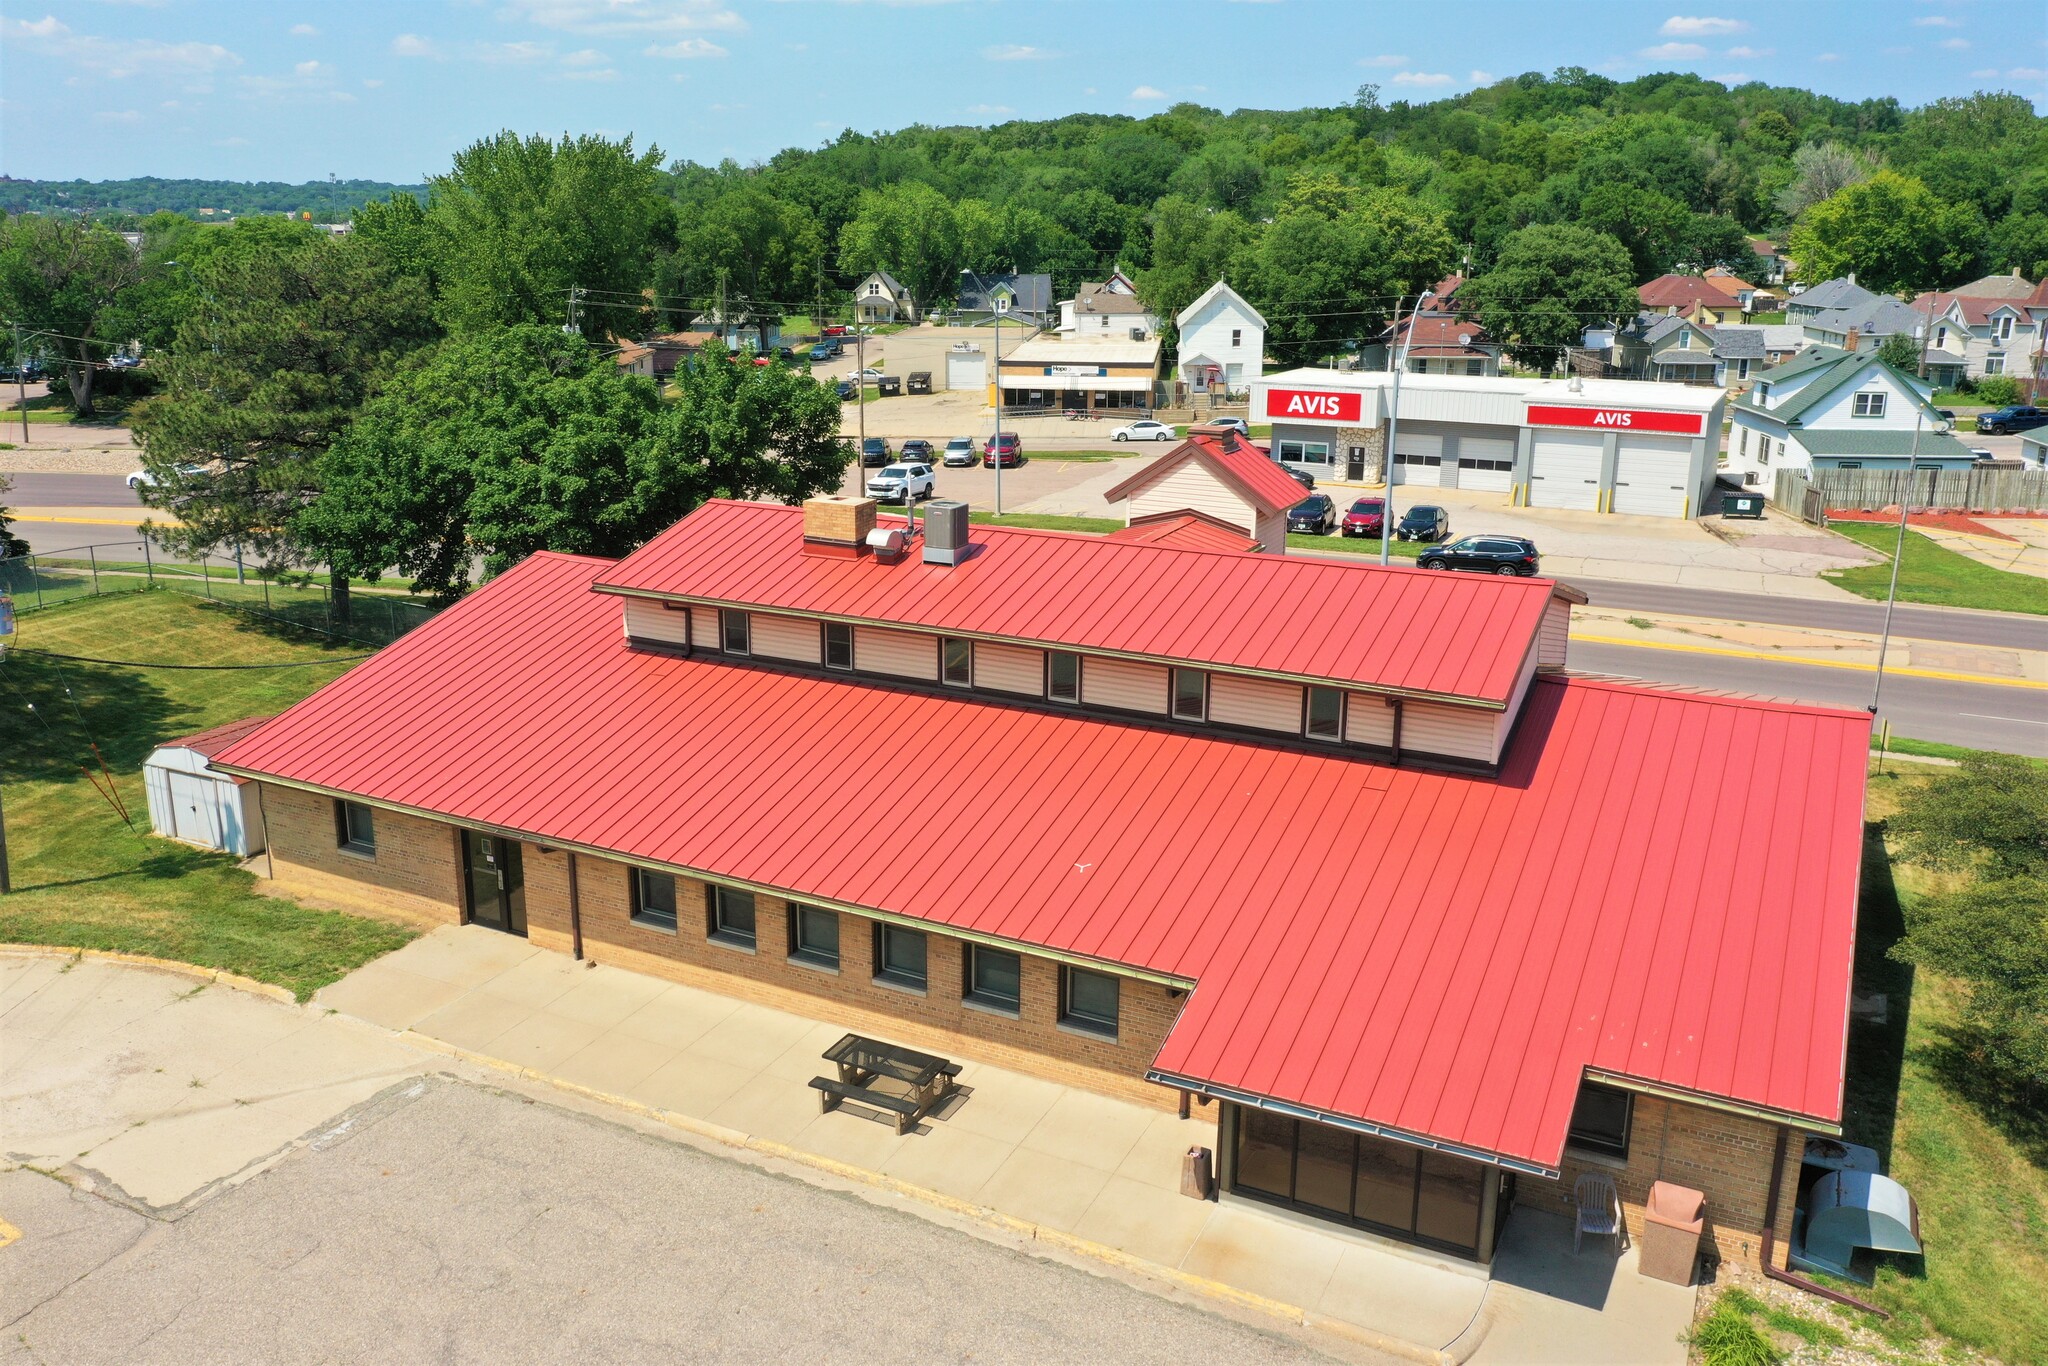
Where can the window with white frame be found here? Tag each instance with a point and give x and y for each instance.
(2002, 328)
(1994, 365)
(1763, 450)
(1870, 404)
(1742, 442)
(1236, 337)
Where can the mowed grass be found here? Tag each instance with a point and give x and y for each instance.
(1934, 574)
(1975, 1163)
(83, 878)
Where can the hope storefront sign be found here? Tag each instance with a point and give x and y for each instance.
(1313, 405)
(1615, 419)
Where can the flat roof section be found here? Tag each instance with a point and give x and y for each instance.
(1391, 628)
(1658, 885)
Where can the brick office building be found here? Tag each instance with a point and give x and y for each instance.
(1342, 848)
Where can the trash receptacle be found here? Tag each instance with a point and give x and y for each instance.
(920, 381)
(1194, 1173)
(1672, 1219)
(888, 386)
(1742, 505)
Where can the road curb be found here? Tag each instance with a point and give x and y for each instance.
(209, 976)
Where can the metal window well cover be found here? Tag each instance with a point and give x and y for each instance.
(1850, 1210)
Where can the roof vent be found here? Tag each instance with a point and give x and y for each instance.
(888, 543)
(837, 525)
(945, 531)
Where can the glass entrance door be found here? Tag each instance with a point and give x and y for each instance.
(497, 884)
(1354, 464)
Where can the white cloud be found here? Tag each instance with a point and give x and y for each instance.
(1989, 73)
(1955, 44)
(1146, 92)
(372, 82)
(118, 116)
(49, 26)
(1750, 53)
(1937, 21)
(1421, 78)
(687, 49)
(625, 16)
(304, 31)
(603, 73)
(1478, 77)
(513, 54)
(990, 109)
(412, 45)
(1384, 59)
(1731, 77)
(1685, 26)
(1829, 57)
(588, 56)
(306, 70)
(120, 58)
(2026, 73)
(1017, 52)
(1673, 52)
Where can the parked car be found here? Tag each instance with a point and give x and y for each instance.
(146, 479)
(834, 330)
(1236, 424)
(1487, 554)
(1301, 477)
(845, 388)
(2017, 418)
(1004, 450)
(1364, 517)
(874, 450)
(903, 482)
(918, 449)
(1145, 429)
(826, 350)
(960, 451)
(871, 374)
(118, 362)
(1315, 515)
(1423, 523)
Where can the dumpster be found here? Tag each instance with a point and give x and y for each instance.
(1672, 1218)
(888, 386)
(920, 381)
(1749, 505)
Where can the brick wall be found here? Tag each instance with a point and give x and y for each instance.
(416, 871)
(1728, 1157)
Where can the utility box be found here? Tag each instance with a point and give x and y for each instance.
(920, 381)
(888, 386)
(1750, 505)
(945, 531)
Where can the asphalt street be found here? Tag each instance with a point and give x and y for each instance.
(2007, 630)
(450, 1222)
(1979, 715)
(70, 490)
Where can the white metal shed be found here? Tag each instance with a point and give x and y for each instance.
(191, 803)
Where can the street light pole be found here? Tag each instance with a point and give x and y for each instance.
(1891, 597)
(21, 397)
(1001, 303)
(1400, 352)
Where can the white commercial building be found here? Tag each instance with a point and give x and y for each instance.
(1591, 445)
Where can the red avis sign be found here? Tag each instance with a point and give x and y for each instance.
(1317, 406)
(1615, 419)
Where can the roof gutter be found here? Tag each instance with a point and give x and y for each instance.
(1350, 1122)
(1165, 979)
(1683, 1096)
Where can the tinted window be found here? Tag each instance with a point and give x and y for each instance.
(1092, 1001)
(899, 956)
(994, 977)
(654, 898)
(814, 936)
(1600, 1120)
(1063, 676)
(356, 827)
(838, 645)
(958, 662)
(1325, 713)
(1190, 694)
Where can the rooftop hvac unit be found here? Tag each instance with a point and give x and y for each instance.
(1137, 334)
(945, 531)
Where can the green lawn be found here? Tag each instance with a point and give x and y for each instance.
(1346, 545)
(1935, 574)
(1766, 319)
(1100, 526)
(83, 878)
(1976, 1164)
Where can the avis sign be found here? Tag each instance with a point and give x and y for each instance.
(1614, 419)
(1313, 405)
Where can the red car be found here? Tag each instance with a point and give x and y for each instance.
(1365, 517)
(833, 330)
(1004, 450)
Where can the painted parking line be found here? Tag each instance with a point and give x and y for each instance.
(1904, 671)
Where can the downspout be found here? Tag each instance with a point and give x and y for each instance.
(576, 914)
(1770, 1232)
(1395, 703)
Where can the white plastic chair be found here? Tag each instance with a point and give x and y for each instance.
(1599, 1211)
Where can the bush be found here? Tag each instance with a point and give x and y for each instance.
(1998, 390)
(1726, 1337)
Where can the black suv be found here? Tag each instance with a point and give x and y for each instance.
(919, 449)
(2018, 418)
(874, 451)
(1487, 554)
(1312, 516)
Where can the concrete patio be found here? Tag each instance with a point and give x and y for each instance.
(1101, 1171)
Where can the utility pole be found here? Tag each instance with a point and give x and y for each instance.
(6, 634)
(21, 397)
(1891, 597)
(575, 322)
(1001, 303)
(1399, 350)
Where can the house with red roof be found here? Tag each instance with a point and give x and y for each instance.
(1220, 476)
(1342, 857)
(1692, 297)
(1436, 341)
(1988, 327)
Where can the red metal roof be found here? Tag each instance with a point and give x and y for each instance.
(1240, 463)
(1394, 627)
(1659, 885)
(213, 741)
(1682, 291)
(1185, 531)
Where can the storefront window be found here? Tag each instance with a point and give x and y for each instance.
(1304, 452)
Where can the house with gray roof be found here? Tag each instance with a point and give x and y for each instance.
(1832, 409)
(1862, 327)
(1841, 292)
(881, 298)
(1029, 297)
(1677, 350)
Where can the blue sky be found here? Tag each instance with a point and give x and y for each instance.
(389, 89)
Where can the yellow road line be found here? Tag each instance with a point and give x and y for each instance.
(1858, 666)
(8, 1233)
(85, 521)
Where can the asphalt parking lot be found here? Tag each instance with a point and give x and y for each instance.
(449, 1221)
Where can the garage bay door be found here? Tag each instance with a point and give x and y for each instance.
(966, 372)
(1486, 462)
(1651, 475)
(1418, 458)
(1564, 470)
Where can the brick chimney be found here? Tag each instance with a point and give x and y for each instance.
(1855, 336)
(838, 526)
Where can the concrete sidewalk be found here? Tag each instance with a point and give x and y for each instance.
(1100, 1172)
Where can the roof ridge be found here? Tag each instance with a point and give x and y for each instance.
(1751, 701)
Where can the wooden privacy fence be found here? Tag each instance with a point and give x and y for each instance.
(1972, 490)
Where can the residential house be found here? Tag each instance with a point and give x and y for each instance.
(1215, 475)
(1222, 340)
(2034, 449)
(1863, 327)
(1971, 336)
(1527, 866)
(1690, 296)
(1771, 262)
(1434, 342)
(1841, 292)
(882, 298)
(2009, 286)
(1087, 373)
(1728, 282)
(1779, 342)
(1098, 310)
(1028, 298)
(1831, 409)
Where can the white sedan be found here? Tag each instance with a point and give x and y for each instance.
(143, 479)
(1144, 430)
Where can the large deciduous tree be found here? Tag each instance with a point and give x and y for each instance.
(64, 278)
(759, 251)
(1893, 232)
(1551, 282)
(1192, 248)
(911, 231)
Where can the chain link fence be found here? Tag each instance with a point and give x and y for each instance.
(45, 578)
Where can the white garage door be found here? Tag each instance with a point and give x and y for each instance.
(1564, 470)
(1650, 475)
(966, 372)
(1486, 462)
(1418, 458)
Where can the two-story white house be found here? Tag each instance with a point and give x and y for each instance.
(881, 298)
(1830, 409)
(1987, 327)
(1222, 341)
(1107, 308)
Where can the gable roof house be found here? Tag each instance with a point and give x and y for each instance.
(1728, 282)
(1690, 296)
(1436, 342)
(1862, 327)
(1098, 310)
(1770, 261)
(1222, 340)
(1677, 350)
(1972, 336)
(1214, 474)
(1547, 923)
(1840, 292)
(881, 298)
(1030, 299)
(1829, 409)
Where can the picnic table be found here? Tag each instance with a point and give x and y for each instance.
(900, 1081)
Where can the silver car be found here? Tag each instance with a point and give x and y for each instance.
(960, 451)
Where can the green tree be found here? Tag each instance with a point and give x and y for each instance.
(519, 222)
(2021, 243)
(265, 374)
(1319, 282)
(1820, 171)
(762, 251)
(10, 544)
(1550, 283)
(1651, 226)
(64, 278)
(913, 232)
(1901, 352)
(1892, 232)
(1192, 249)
